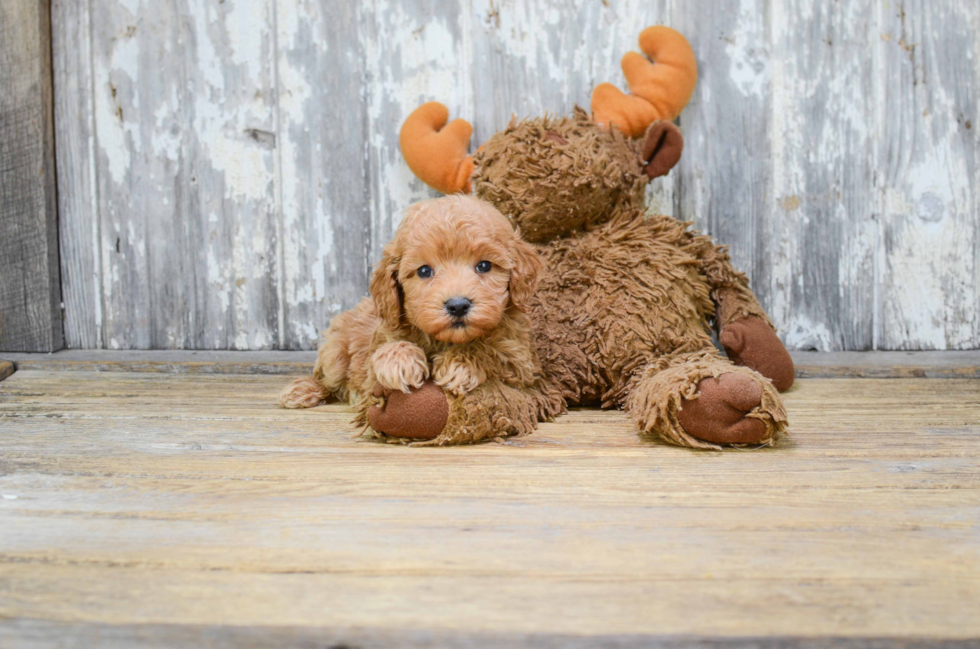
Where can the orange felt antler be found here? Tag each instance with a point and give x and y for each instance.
(435, 154)
(658, 90)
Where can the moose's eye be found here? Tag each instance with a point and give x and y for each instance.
(424, 272)
(484, 267)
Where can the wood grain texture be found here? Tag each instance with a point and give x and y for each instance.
(414, 50)
(888, 365)
(323, 145)
(832, 146)
(30, 285)
(184, 105)
(78, 227)
(172, 361)
(726, 172)
(6, 369)
(39, 633)
(814, 365)
(928, 165)
(821, 227)
(140, 501)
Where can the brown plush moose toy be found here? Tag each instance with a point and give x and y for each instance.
(623, 311)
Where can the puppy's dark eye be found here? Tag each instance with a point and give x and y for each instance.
(484, 267)
(424, 272)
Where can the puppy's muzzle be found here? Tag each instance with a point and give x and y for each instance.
(458, 307)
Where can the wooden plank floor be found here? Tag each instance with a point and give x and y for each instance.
(186, 509)
(809, 365)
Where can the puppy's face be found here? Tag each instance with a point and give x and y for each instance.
(455, 266)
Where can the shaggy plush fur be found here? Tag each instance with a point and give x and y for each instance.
(623, 314)
(405, 332)
(623, 310)
(554, 176)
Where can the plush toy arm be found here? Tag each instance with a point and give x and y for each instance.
(744, 329)
(748, 336)
(734, 300)
(729, 288)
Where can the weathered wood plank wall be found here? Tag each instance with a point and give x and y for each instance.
(30, 290)
(228, 171)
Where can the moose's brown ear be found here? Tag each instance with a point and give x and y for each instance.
(662, 147)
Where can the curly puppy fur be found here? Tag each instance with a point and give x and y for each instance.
(623, 310)
(404, 333)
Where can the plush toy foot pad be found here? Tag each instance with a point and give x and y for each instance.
(752, 342)
(420, 414)
(717, 415)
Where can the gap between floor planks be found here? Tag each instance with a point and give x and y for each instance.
(879, 364)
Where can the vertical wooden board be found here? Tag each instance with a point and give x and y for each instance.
(974, 126)
(415, 51)
(121, 185)
(536, 57)
(171, 144)
(184, 112)
(323, 135)
(725, 174)
(822, 209)
(30, 288)
(928, 86)
(78, 210)
(532, 58)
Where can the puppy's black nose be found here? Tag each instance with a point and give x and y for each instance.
(457, 307)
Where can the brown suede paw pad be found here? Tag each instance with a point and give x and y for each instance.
(753, 343)
(718, 414)
(420, 414)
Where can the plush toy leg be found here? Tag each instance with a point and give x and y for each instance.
(491, 411)
(701, 400)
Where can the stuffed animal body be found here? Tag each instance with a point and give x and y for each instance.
(623, 312)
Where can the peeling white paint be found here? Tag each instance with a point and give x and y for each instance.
(930, 284)
(116, 140)
(247, 168)
(801, 333)
(747, 50)
(220, 154)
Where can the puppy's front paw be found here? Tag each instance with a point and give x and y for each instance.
(400, 366)
(457, 377)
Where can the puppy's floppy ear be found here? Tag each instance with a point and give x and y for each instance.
(385, 288)
(524, 274)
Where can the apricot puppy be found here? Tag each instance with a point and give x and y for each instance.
(446, 303)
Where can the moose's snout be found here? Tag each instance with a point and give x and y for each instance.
(457, 307)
